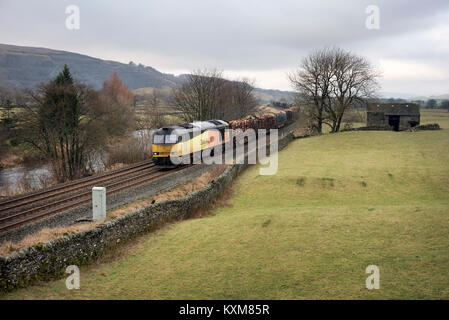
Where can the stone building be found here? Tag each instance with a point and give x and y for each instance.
(399, 116)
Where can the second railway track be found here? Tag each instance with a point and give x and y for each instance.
(20, 201)
(22, 210)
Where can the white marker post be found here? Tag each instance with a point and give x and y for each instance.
(98, 203)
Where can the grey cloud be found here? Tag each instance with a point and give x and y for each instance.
(231, 34)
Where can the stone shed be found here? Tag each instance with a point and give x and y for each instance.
(399, 116)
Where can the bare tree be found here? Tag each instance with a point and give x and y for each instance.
(329, 82)
(243, 100)
(197, 97)
(152, 116)
(353, 81)
(206, 95)
(312, 84)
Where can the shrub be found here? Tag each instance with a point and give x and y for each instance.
(130, 151)
(432, 126)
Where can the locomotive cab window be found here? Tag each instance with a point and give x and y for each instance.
(171, 138)
(158, 139)
(185, 137)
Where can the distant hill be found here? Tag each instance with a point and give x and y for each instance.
(263, 96)
(440, 97)
(25, 67)
(411, 97)
(268, 95)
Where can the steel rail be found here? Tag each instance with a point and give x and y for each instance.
(87, 199)
(74, 183)
(75, 187)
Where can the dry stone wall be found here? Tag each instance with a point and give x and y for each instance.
(49, 261)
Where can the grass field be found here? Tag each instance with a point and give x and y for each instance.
(338, 203)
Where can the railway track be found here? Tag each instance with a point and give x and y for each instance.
(21, 210)
(24, 209)
(71, 186)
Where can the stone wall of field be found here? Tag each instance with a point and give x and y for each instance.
(49, 261)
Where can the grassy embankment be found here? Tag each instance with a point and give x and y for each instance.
(337, 204)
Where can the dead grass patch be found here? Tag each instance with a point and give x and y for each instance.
(115, 166)
(301, 132)
(10, 160)
(49, 234)
(43, 236)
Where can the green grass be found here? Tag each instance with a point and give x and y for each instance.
(338, 203)
(439, 116)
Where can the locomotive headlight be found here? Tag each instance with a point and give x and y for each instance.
(155, 153)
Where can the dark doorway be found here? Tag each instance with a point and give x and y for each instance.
(413, 123)
(393, 121)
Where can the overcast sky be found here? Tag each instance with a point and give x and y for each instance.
(259, 39)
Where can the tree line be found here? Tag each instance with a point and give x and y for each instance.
(65, 121)
(434, 104)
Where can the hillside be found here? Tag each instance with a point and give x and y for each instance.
(439, 97)
(411, 97)
(267, 95)
(25, 67)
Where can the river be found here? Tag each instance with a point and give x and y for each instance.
(10, 177)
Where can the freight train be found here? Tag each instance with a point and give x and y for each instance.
(273, 120)
(180, 140)
(174, 140)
